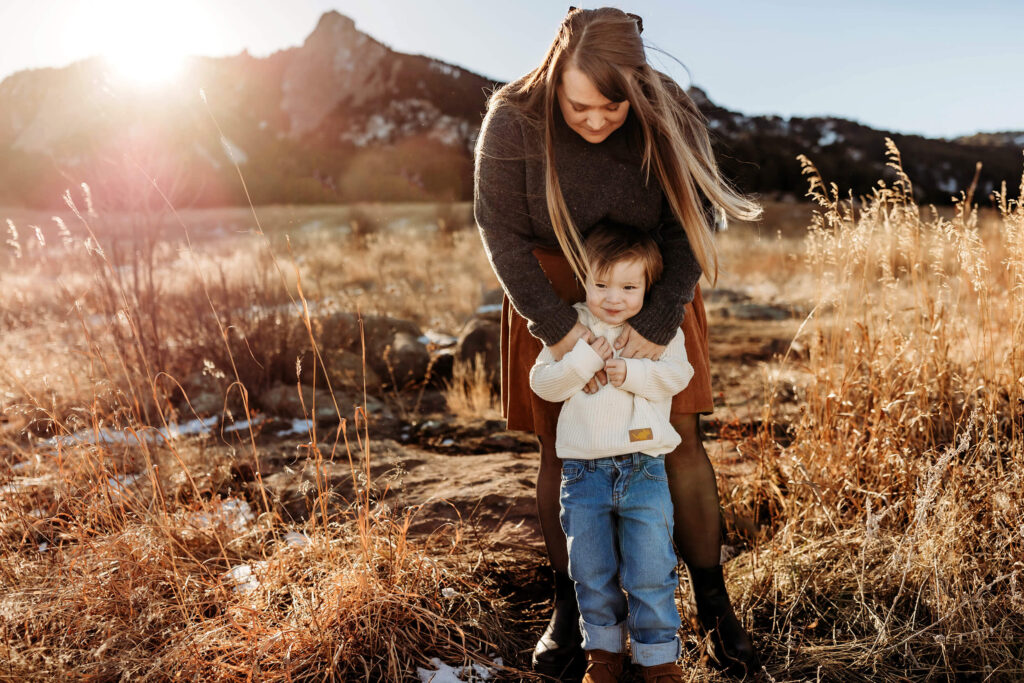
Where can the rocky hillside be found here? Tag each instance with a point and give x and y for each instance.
(345, 118)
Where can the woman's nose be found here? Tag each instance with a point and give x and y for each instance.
(595, 122)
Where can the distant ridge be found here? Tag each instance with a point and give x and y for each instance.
(344, 118)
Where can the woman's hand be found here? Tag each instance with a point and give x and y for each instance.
(578, 331)
(631, 344)
(602, 348)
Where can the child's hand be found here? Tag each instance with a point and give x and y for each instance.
(616, 369)
(602, 347)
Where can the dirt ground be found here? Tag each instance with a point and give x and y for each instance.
(450, 470)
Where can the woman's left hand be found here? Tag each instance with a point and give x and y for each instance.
(631, 344)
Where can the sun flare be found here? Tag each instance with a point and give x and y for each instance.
(146, 43)
(144, 66)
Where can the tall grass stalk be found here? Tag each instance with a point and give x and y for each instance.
(897, 538)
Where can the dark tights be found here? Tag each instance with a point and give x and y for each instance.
(691, 481)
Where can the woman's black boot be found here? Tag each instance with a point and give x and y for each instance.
(559, 652)
(732, 648)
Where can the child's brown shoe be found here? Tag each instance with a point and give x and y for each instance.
(663, 673)
(603, 667)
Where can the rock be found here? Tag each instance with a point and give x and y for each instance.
(344, 368)
(206, 403)
(481, 339)
(380, 330)
(283, 401)
(442, 363)
(719, 296)
(338, 330)
(403, 361)
(754, 311)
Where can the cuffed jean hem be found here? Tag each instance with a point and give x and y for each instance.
(659, 653)
(607, 638)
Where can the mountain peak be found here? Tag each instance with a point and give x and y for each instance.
(333, 25)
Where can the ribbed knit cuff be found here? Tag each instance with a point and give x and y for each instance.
(636, 376)
(584, 359)
(555, 326)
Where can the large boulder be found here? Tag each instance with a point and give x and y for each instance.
(480, 342)
(284, 401)
(403, 361)
(344, 368)
(395, 353)
(338, 330)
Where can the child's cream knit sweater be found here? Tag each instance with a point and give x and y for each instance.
(615, 420)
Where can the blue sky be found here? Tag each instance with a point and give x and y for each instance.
(938, 68)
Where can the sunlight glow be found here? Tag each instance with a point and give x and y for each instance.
(146, 43)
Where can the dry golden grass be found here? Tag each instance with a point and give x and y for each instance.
(896, 546)
(162, 558)
(470, 393)
(887, 542)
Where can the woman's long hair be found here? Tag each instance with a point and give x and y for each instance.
(605, 45)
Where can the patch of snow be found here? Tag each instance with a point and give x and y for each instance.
(948, 185)
(198, 426)
(448, 592)
(299, 426)
(448, 442)
(414, 116)
(446, 69)
(244, 424)
(148, 434)
(43, 546)
(234, 513)
(20, 484)
(243, 578)
(233, 151)
(296, 539)
(439, 339)
(121, 482)
(829, 135)
(443, 673)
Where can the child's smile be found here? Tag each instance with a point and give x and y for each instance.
(617, 294)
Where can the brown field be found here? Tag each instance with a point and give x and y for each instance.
(868, 362)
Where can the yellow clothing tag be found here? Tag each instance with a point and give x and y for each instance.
(644, 434)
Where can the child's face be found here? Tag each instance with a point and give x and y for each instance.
(617, 294)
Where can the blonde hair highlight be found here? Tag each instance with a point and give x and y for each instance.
(605, 45)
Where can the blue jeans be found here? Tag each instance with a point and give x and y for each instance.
(617, 517)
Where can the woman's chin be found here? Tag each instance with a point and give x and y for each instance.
(594, 138)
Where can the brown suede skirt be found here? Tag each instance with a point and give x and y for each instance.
(528, 412)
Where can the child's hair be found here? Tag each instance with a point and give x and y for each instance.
(608, 243)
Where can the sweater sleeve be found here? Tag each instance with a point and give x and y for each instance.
(663, 310)
(501, 209)
(663, 378)
(557, 381)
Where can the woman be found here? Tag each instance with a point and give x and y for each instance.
(595, 133)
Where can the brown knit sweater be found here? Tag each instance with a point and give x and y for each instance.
(601, 181)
